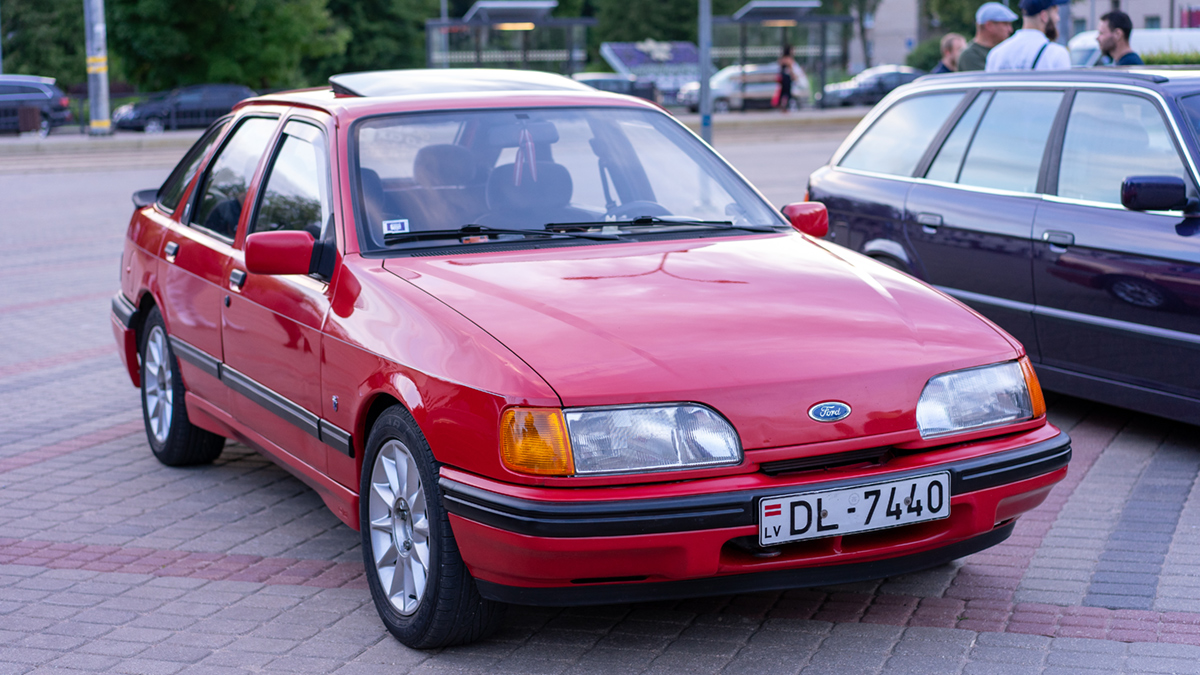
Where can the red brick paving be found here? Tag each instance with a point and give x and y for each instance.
(68, 446)
(53, 361)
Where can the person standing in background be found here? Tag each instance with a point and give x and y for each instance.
(787, 66)
(1032, 47)
(1115, 29)
(952, 45)
(993, 25)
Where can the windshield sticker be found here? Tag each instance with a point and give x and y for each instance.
(395, 226)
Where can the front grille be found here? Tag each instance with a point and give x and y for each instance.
(864, 456)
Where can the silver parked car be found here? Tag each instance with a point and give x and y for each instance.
(761, 80)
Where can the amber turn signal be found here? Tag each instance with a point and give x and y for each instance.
(534, 441)
(1036, 400)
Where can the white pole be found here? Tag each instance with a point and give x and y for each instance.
(444, 36)
(705, 64)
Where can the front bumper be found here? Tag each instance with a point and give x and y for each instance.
(526, 546)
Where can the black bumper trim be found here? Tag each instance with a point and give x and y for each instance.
(805, 577)
(721, 510)
(123, 309)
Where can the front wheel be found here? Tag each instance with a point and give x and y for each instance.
(154, 125)
(419, 583)
(174, 440)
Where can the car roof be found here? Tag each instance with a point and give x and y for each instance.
(353, 95)
(1173, 80)
(27, 79)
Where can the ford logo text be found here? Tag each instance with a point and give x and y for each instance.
(829, 411)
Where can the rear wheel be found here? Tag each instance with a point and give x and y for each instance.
(419, 583)
(153, 125)
(173, 438)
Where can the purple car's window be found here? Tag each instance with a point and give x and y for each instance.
(1006, 152)
(897, 140)
(526, 168)
(1111, 136)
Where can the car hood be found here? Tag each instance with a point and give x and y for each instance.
(761, 328)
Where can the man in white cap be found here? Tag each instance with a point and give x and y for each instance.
(993, 25)
(1033, 47)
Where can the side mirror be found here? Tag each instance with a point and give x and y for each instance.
(811, 218)
(144, 198)
(1154, 193)
(280, 252)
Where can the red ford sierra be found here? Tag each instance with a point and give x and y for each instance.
(541, 345)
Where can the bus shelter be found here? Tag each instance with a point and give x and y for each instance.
(509, 34)
(759, 30)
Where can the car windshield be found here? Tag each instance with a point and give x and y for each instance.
(609, 170)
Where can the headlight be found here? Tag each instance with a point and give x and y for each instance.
(122, 112)
(978, 398)
(650, 438)
(623, 439)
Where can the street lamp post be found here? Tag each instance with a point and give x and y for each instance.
(705, 64)
(97, 67)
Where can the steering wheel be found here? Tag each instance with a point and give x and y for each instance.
(637, 209)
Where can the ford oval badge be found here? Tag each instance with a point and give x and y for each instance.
(829, 411)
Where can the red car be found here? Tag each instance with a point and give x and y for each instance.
(541, 345)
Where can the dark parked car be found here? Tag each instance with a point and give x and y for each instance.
(22, 91)
(868, 87)
(1060, 205)
(617, 83)
(190, 107)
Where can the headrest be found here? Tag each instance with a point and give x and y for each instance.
(509, 135)
(551, 190)
(443, 166)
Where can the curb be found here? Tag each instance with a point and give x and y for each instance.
(73, 144)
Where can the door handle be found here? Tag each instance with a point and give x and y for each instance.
(929, 222)
(1058, 239)
(172, 250)
(236, 279)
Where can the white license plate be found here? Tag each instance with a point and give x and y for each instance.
(830, 513)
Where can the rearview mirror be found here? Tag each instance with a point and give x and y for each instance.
(280, 252)
(811, 218)
(1154, 193)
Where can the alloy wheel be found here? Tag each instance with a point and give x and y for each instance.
(160, 392)
(399, 527)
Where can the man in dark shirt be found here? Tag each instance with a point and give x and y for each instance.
(1115, 29)
(952, 45)
(993, 25)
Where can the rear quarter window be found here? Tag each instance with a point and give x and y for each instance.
(898, 139)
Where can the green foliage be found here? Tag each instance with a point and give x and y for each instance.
(1171, 58)
(259, 43)
(624, 21)
(926, 54)
(958, 16)
(44, 37)
(384, 35)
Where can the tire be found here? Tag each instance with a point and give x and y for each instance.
(153, 125)
(891, 262)
(44, 127)
(173, 438)
(406, 538)
(721, 105)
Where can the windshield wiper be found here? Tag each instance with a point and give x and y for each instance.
(658, 220)
(474, 230)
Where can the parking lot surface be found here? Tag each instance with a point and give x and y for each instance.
(111, 562)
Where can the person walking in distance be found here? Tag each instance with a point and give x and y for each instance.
(993, 25)
(787, 67)
(1115, 29)
(1032, 47)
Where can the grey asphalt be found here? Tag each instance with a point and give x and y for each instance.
(110, 562)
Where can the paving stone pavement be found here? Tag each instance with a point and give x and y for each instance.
(111, 562)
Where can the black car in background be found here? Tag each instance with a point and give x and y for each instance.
(868, 87)
(30, 91)
(630, 85)
(187, 108)
(1061, 205)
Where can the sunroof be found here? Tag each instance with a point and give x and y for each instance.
(448, 81)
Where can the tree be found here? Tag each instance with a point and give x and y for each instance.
(957, 16)
(861, 10)
(259, 43)
(44, 37)
(386, 34)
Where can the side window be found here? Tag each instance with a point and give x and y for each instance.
(897, 140)
(296, 196)
(228, 178)
(1110, 136)
(948, 162)
(1006, 152)
(172, 190)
